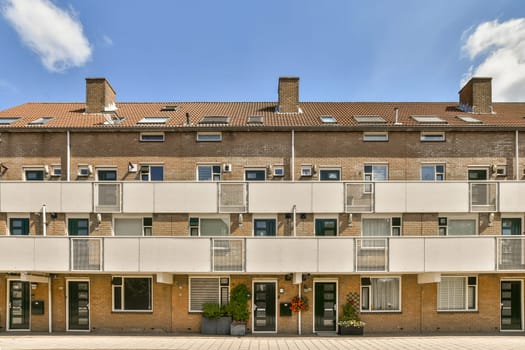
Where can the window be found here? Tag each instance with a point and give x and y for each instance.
(380, 294)
(132, 293)
(78, 227)
(84, 170)
(278, 170)
(56, 170)
(209, 119)
(457, 294)
(153, 120)
(132, 226)
(432, 136)
(19, 226)
(209, 136)
(380, 227)
(205, 290)
(151, 136)
(209, 172)
(326, 227)
(374, 173)
(306, 170)
(34, 174)
(264, 227)
(151, 172)
(369, 119)
(255, 174)
(429, 119)
(7, 121)
(468, 119)
(375, 136)
(40, 121)
(209, 226)
(255, 119)
(432, 172)
(330, 174)
(457, 226)
(328, 119)
(107, 175)
(170, 108)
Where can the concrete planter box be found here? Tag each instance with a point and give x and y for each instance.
(209, 326)
(223, 325)
(238, 328)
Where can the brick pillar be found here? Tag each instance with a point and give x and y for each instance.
(288, 95)
(477, 94)
(99, 94)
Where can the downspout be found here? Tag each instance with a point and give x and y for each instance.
(294, 212)
(293, 155)
(44, 222)
(50, 308)
(68, 155)
(517, 156)
(299, 321)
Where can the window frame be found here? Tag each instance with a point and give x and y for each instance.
(78, 217)
(122, 291)
(393, 226)
(375, 136)
(449, 217)
(35, 169)
(146, 231)
(213, 173)
(152, 137)
(18, 216)
(197, 228)
(208, 136)
(255, 169)
(338, 170)
(220, 280)
(325, 218)
(432, 136)
(436, 172)
(264, 218)
(369, 297)
(106, 169)
(467, 287)
(369, 176)
(149, 171)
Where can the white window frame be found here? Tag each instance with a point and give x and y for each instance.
(225, 218)
(390, 218)
(152, 299)
(209, 136)
(17, 216)
(106, 168)
(368, 187)
(331, 169)
(265, 217)
(84, 167)
(370, 293)
(149, 165)
(143, 137)
(41, 168)
(435, 165)
(467, 286)
(432, 136)
(132, 217)
(278, 170)
(449, 217)
(219, 296)
(375, 136)
(211, 165)
(53, 168)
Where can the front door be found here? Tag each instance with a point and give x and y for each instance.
(511, 306)
(325, 306)
(78, 305)
(19, 305)
(264, 307)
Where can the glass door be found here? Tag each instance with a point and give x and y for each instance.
(264, 307)
(511, 306)
(19, 305)
(325, 306)
(78, 305)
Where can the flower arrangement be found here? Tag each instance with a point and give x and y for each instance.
(350, 315)
(299, 304)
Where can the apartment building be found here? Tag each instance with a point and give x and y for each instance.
(129, 216)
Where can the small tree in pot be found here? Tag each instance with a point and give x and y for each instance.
(239, 309)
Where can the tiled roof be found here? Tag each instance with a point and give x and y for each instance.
(71, 115)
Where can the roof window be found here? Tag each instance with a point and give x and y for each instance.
(153, 120)
(171, 108)
(369, 119)
(255, 119)
(429, 119)
(40, 121)
(328, 119)
(469, 120)
(7, 121)
(214, 119)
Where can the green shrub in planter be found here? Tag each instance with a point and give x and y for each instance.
(239, 309)
(210, 318)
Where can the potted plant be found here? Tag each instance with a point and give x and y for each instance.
(349, 322)
(211, 313)
(238, 309)
(224, 321)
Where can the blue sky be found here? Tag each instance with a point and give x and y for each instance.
(208, 50)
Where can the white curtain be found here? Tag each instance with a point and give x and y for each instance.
(214, 227)
(128, 227)
(461, 227)
(376, 227)
(451, 293)
(385, 293)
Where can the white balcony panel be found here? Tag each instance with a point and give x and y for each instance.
(328, 197)
(160, 254)
(51, 254)
(390, 197)
(407, 255)
(336, 255)
(138, 197)
(185, 197)
(17, 253)
(77, 197)
(435, 197)
(30, 196)
(121, 254)
(281, 255)
(280, 197)
(450, 254)
(512, 196)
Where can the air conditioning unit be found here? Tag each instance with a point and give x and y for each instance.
(227, 168)
(501, 170)
(85, 170)
(306, 170)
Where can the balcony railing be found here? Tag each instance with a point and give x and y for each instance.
(86, 254)
(371, 254)
(227, 255)
(483, 197)
(359, 197)
(232, 197)
(511, 253)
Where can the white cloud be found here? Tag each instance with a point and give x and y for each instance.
(501, 48)
(54, 34)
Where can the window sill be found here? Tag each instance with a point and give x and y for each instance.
(457, 311)
(132, 311)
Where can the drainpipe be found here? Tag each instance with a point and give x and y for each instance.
(44, 228)
(293, 155)
(68, 156)
(50, 308)
(517, 157)
(294, 212)
(299, 328)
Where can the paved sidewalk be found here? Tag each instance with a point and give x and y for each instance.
(139, 342)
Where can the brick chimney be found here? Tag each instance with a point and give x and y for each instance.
(288, 95)
(477, 95)
(100, 96)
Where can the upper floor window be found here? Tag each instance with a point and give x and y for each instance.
(432, 136)
(209, 136)
(151, 136)
(106, 174)
(209, 172)
(140, 226)
(375, 136)
(264, 227)
(19, 226)
(34, 174)
(381, 226)
(374, 172)
(325, 227)
(151, 172)
(457, 226)
(457, 294)
(78, 226)
(255, 174)
(330, 174)
(218, 226)
(433, 172)
(380, 294)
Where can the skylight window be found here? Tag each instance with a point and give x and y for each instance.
(255, 119)
(171, 108)
(468, 119)
(41, 121)
(369, 119)
(429, 119)
(328, 119)
(214, 119)
(7, 121)
(153, 120)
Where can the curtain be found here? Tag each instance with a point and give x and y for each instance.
(451, 293)
(128, 227)
(385, 293)
(214, 227)
(461, 227)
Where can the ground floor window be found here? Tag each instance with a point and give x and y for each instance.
(132, 293)
(380, 294)
(205, 290)
(457, 294)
